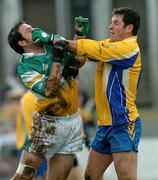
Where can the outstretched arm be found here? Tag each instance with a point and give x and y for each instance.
(81, 30)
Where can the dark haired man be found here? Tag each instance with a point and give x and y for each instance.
(117, 79)
(50, 74)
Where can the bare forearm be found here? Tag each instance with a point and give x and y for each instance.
(72, 46)
(53, 80)
(82, 59)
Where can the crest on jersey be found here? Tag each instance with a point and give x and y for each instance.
(44, 67)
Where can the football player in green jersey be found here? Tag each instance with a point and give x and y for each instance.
(50, 74)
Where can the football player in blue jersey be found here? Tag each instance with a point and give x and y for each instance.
(116, 84)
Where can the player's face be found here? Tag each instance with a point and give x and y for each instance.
(117, 28)
(26, 31)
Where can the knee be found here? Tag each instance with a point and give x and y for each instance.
(24, 172)
(92, 176)
(19, 177)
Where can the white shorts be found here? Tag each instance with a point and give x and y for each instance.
(54, 134)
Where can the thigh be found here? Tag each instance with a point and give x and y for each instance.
(38, 140)
(67, 137)
(59, 166)
(30, 159)
(77, 172)
(72, 136)
(97, 164)
(125, 137)
(125, 165)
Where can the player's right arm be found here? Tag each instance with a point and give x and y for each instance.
(53, 81)
(33, 77)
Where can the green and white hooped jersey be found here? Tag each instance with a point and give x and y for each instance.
(33, 71)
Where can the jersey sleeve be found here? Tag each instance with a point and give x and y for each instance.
(118, 53)
(31, 77)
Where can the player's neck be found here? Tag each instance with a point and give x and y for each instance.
(35, 49)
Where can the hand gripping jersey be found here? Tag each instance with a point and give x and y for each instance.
(33, 70)
(117, 78)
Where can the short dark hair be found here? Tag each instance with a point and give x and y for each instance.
(14, 36)
(130, 16)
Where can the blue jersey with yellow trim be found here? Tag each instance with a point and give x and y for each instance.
(33, 71)
(117, 78)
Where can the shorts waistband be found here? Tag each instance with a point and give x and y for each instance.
(55, 118)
